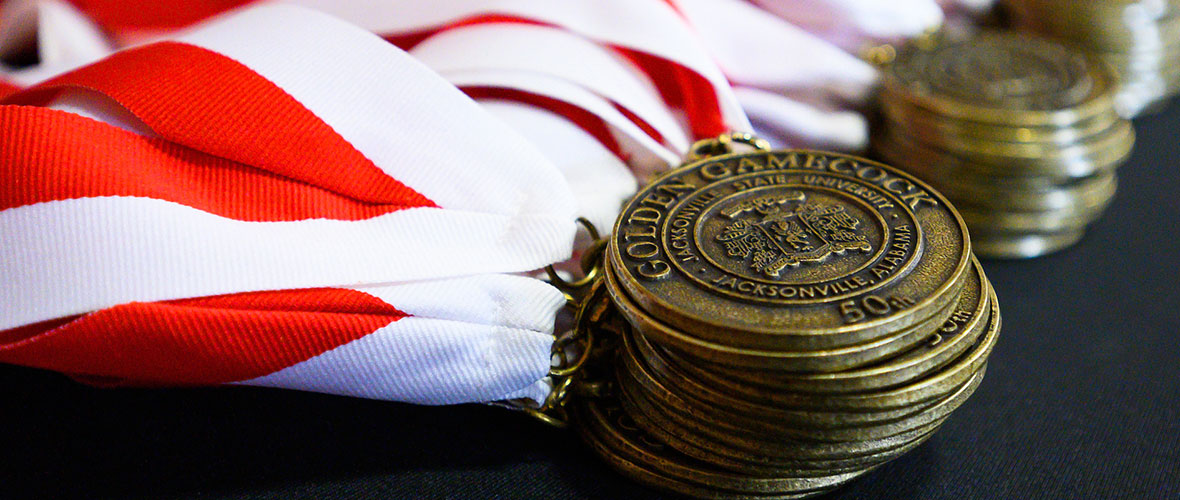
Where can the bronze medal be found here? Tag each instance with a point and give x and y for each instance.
(1139, 40)
(789, 250)
(1023, 134)
(772, 324)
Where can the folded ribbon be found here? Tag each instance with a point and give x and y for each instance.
(237, 206)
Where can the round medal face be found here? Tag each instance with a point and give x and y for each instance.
(1004, 78)
(772, 235)
(1001, 71)
(789, 250)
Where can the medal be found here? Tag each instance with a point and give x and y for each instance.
(1139, 40)
(773, 324)
(1022, 134)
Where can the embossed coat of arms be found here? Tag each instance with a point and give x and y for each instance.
(780, 231)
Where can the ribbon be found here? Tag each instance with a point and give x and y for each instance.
(590, 86)
(642, 98)
(792, 83)
(647, 31)
(793, 70)
(852, 24)
(276, 199)
(796, 80)
(650, 33)
(7, 88)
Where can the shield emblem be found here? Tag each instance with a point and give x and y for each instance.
(781, 231)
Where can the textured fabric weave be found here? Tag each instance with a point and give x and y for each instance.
(206, 211)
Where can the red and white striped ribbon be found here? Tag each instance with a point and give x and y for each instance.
(647, 31)
(631, 100)
(605, 67)
(276, 199)
(791, 61)
(614, 106)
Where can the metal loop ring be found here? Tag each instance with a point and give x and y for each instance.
(561, 284)
(582, 330)
(879, 55)
(589, 228)
(592, 271)
(723, 144)
(553, 420)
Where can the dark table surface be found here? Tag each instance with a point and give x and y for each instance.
(1081, 400)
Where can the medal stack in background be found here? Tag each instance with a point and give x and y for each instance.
(1020, 133)
(1139, 39)
(705, 405)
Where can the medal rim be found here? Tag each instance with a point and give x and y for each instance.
(785, 336)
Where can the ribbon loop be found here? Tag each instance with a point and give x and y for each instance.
(209, 211)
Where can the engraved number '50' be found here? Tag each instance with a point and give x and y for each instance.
(871, 305)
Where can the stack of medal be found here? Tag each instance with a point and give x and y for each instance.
(1021, 133)
(1139, 39)
(792, 320)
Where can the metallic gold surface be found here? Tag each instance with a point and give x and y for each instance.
(999, 78)
(613, 435)
(782, 360)
(718, 444)
(1022, 134)
(1062, 167)
(957, 333)
(792, 428)
(1091, 191)
(993, 221)
(1114, 142)
(795, 250)
(1019, 246)
(929, 124)
(1139, 40)
(772, 324)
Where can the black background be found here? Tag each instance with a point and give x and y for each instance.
(1080, 401)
